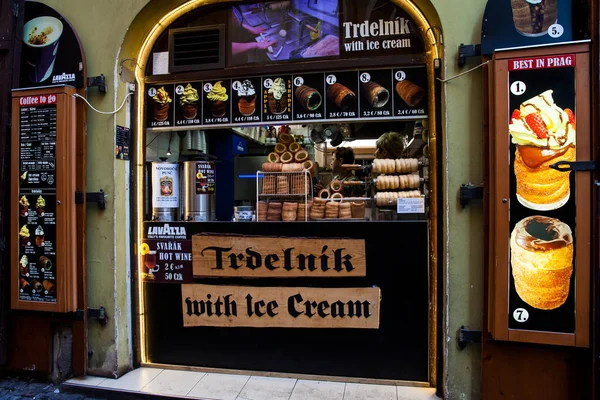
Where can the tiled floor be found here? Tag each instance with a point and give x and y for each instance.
(210, 386)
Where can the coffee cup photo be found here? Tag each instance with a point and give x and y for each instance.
(41, 36)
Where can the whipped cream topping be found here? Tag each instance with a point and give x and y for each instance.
(561, 133)
(246, 89)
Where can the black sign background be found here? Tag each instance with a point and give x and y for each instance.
(399, 349)
(69, 55)
(37, 157)
(562, 82)
(498, 29)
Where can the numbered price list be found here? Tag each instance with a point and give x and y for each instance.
(37, 201)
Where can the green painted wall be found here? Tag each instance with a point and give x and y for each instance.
(112, 30)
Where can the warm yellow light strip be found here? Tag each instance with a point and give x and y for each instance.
(144, 56)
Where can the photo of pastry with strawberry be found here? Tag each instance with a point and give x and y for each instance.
(544, 134)
(162, 103)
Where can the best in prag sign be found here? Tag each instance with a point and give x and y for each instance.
(277, 257)
(281, 307)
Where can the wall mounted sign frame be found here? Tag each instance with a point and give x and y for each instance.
(540, 217)
(43, 239)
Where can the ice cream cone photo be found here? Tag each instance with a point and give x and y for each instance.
(189, 102)
(544, 134)
(247, 98)
(277, 97)
(162, 104)
(218, 97)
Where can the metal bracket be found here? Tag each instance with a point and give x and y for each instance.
(99, 314)
(470, 192)
(466, 336)
(565, 166)
(99, 81)
(467, 50)
(95, 197)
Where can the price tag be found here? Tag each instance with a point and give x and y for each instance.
(411, 206)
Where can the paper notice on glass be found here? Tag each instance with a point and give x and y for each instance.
(411, 206)
(160, 63)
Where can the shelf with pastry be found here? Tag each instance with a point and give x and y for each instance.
(390, 166)
(282, 211)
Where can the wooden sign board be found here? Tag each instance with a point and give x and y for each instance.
(43, 234)
(277, 257)
(280, 307)
(541, 217)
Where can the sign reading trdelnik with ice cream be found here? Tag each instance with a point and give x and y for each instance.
(542, 131)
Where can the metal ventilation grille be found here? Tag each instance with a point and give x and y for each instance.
(193, 49)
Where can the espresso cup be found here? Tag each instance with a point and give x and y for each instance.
(41, 56)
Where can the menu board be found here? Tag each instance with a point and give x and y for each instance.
(37, 199)
(542, 214)
(374, 94)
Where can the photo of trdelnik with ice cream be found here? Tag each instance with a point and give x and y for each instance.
(277, 98)
(544, 134)
(244, 107)
(160, 110)
(187, 100)
(216, 102)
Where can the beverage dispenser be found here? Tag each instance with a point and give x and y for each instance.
(198, 191)
(165, 190)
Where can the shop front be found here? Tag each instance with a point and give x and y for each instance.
(274, 234)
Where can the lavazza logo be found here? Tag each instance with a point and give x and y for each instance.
(166, 231)
(64, 77)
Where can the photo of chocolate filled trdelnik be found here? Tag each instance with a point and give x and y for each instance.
(541, 251)
(544, 134)
(534, 17)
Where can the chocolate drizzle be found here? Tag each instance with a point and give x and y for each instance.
(533, 156)
(539, 233)
(538, 12)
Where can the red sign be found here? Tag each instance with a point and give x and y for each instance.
(560, 61)
(37, 100)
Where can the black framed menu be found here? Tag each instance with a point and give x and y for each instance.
(373, 95)
(37, 199)
(43, 212)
